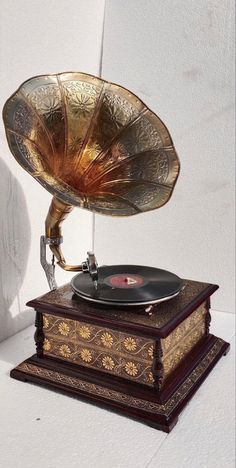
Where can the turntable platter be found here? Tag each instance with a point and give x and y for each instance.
(128, 285)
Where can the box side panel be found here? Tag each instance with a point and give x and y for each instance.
(105, 349)
(183, 339)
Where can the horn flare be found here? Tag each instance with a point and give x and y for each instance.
(91, 143)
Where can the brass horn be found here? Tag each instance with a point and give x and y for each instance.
(92, 144)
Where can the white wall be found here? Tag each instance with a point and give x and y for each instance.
(38, 37)
(177, 55)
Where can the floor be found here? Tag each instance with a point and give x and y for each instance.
(40, 428)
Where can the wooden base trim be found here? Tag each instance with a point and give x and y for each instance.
(160, 416)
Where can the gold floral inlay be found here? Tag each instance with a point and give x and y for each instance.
(64, 329)
(131, 368)
(105, 349)
(179, 343)
(107, 340)
(150, 351)
(45, 322)
(86, 355)
(84, 332)
(46, 345)
(65, 351)
(130, 344)
(150, 376)
(108, 363)
(125, 355)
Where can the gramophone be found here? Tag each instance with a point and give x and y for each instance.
(131, 338)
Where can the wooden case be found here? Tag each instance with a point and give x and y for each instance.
(144, 366)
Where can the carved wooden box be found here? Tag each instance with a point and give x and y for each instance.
(146, 366)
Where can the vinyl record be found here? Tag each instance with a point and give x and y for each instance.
(128, 285)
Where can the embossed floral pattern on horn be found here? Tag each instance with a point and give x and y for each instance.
(91, 143)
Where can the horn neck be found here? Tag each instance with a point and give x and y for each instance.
(57, 213)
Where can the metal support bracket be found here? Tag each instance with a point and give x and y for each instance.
(49, 268)
(89, 266)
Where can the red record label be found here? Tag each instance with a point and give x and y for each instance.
(125, 281)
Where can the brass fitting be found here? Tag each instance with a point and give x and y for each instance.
(57, 213)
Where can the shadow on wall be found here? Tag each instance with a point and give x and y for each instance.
(14, 251)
